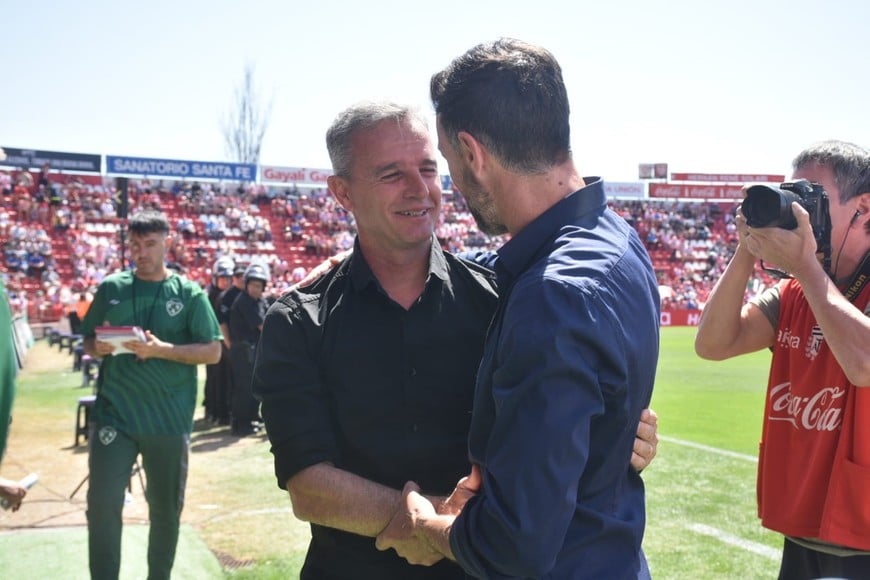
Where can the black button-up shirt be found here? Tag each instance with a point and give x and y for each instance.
(348, 376)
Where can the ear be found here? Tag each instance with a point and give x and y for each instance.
(862, 210)
(339, 188)
(473, 152)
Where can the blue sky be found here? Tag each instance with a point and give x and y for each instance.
(719, 86)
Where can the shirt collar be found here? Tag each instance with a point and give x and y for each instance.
(518, 252)
(361, 274)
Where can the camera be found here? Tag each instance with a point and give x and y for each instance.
(767, 206)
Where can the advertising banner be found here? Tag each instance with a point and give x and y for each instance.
(294, 175)
(58, 160)
(141, 167)
(631, 189)
(680, 317)
(695, 191)
(728, 177)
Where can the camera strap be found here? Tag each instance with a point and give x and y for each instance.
(859, 279)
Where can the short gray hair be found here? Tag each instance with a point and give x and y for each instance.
(363, 116)
(849, 164)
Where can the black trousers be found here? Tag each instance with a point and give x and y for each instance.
(801, 563)
(218, 388)
(244, 405)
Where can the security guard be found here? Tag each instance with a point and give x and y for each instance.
(217, 379)
(225, 303)
(246, 321)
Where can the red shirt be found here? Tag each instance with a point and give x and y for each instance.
(814, 461)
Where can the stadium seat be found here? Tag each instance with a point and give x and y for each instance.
(90, 368)
(83, 414)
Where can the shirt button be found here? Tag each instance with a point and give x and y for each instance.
(413, 372)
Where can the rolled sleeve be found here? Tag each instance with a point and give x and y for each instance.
(287, 380)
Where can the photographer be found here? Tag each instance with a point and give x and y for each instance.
(814, 461)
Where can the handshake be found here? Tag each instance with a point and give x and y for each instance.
(419, 532)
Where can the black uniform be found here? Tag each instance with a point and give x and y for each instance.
(217, 376)
(224, 304)
(247, 316)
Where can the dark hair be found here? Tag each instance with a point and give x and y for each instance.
(511, 97)
(362, 116)
(148, 222)
(849, 164)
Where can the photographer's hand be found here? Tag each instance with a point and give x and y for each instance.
(793, 251)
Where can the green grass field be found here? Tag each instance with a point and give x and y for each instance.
(701, 502)
(700, 488)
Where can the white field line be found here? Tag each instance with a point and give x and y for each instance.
(736, 541)
(709, 449)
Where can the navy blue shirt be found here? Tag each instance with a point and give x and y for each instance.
(568, 366)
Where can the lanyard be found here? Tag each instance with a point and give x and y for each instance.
(147, 324)
(859, 279)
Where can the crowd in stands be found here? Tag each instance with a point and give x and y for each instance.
(289, 229)
(690, 244)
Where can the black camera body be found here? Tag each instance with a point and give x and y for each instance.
(767, 206)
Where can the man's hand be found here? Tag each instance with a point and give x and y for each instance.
(103, 348)
(322, 268)
(399, 533)
(647, 440)
(151, 348)
(467, 488)
(13, 492)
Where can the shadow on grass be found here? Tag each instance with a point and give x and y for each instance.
(207, 437)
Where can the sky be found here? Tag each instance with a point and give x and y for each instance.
(708, 87)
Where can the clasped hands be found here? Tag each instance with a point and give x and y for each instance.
(404, 533)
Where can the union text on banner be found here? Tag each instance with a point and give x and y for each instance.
(632, 189)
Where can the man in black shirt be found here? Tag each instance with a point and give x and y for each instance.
(366, 376)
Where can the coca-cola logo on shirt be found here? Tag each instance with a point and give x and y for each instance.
(823, 411)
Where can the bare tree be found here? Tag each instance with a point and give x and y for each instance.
(245, 125)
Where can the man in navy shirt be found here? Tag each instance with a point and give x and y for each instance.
(367, 375)
(570, 358)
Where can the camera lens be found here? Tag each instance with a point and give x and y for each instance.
(767, 206)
